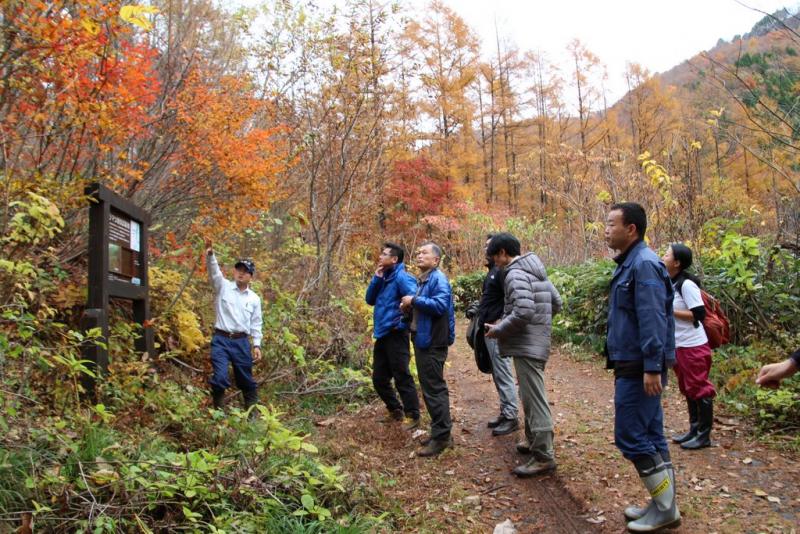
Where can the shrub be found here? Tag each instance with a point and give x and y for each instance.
(467, 288)
(584, 290)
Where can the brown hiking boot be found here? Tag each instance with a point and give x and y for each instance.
(435, 447)
(524, 447)
(534, 468)
(393, 416)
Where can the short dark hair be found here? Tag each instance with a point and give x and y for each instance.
(434, 247)
(632, 213)
(395, 251)
(504, 241)
(490, 235)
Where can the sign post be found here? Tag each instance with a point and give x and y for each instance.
(118, 234)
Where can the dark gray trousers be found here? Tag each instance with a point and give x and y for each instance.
(430, 367)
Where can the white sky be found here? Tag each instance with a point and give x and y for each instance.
(656, 34)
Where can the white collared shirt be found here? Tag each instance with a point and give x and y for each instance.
(237, 311)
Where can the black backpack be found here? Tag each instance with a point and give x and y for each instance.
(476, 340)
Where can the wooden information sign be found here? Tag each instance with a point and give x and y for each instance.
(118, 233)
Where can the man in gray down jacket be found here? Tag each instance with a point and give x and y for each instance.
(523, 333)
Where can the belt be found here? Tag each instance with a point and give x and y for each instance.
(229, 335)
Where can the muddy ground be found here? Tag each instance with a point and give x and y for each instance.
(738, 485)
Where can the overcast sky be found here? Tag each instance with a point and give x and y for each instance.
(656, 34)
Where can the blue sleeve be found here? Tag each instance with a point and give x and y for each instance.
(407, 285)
(374, 288)
(651, 312)
(438, 303)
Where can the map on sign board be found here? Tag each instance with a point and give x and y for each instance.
(124, 249)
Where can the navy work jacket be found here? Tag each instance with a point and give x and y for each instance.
(641, 326)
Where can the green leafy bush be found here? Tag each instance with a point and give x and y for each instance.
(734, 371)
(467, 288)
(80, 474)
(584, 290)
(758, 287)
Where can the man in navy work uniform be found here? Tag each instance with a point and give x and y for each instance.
(433, 330)
(640, 348)
(238, 316)
(391, 354)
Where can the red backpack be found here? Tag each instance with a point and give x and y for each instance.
(716, 324)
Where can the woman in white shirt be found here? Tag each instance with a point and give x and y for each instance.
(693, 353)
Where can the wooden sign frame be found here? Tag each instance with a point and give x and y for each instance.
(108, 215)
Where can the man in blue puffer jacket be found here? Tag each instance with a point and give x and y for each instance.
(433, 329)
(391, 354)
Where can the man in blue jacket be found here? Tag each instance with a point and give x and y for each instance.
(433, 329)
(640, 348)
(391, 354)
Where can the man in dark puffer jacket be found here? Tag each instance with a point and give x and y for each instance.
(523, 333)
(490, 311)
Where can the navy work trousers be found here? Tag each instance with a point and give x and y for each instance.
(638, 420)
(235, 352)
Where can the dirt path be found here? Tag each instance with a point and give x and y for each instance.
(470, 488)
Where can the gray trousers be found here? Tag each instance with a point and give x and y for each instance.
(538, 420)
(503, 381)
(430, 368)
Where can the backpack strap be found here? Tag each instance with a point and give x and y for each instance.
(679, 283)
(697, 316)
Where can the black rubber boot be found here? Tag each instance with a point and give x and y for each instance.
(692, 406)
(705, 422)
(218, 398)
(250, 400)
(506, 427)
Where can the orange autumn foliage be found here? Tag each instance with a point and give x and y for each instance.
(79, 86)
(232, 161)
(90, 97)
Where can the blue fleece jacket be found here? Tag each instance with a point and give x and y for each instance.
(385, 293)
